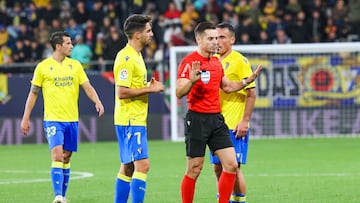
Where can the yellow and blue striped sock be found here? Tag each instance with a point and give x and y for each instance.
(138, 187)
(57, 177)
(237, 198)
(66, 171)
(122, 188)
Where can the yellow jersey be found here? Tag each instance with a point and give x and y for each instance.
(130, 71)
(60, 88)
(236, 68)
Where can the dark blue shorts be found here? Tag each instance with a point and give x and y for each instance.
(62, 133)
(132, 142)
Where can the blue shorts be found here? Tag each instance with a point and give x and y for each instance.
(62, 133)
(132, 142)
(241, 148)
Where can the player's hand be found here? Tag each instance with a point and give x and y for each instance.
(25, 126)
(255, 74)
(99, 108)
(241, 129)
(195, 72)
(156, 86)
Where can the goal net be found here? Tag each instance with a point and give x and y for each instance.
(303, 89)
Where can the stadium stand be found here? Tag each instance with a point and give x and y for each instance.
(25, 25)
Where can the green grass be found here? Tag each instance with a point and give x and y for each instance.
(307, 170)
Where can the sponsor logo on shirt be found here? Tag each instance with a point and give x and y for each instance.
(63, 81)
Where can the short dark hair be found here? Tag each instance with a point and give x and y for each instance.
(57, 38)
(201, 27)
(228, 26)
(135, 23)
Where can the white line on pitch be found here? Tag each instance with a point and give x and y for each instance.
(80, 175)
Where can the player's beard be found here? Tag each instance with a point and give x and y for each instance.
(213, 49)
(145, 42)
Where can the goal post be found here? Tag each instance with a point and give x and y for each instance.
(303, 90)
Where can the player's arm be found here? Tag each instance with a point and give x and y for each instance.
(232, 86)
(184, 85)
(243, 126)
(29, 105)
(153, 87)
(93, 96)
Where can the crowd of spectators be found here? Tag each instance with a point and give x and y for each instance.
(96, 26)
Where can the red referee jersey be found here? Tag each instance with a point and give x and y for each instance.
(204, 95)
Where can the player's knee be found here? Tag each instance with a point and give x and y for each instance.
(57, 154)
(127, 169)
(142, 166)
(231, 167)
(67, 156)
(57, 157)
(194, 170)
(146, 167)
(66, 159)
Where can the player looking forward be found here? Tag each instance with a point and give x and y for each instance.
(200, 76)
(236, 107)
(59, 78)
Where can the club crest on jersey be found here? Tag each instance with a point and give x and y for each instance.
(127, 58)
(123, 75)
(205, 76)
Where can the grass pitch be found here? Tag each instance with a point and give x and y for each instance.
(299, 170)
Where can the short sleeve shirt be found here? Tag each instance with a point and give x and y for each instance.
(60, 84)
(204, 95)
(236, 68)
(130, 71)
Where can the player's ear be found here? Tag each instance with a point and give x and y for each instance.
(198, 39)
(137, 35)
(232, 39)
(58, 46)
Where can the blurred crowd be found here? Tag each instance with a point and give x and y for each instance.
(96, 26)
